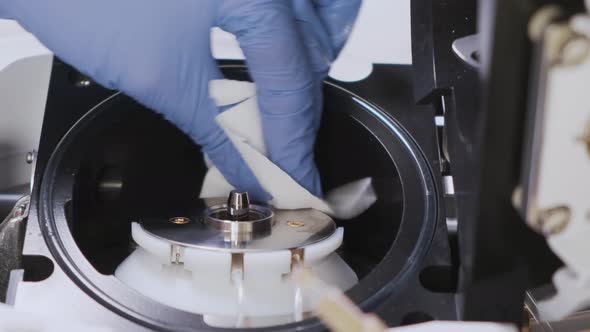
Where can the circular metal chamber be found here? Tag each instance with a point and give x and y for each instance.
(89, 236)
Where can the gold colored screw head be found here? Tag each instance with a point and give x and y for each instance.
(295, 223)
(180, 220)
(585, 138)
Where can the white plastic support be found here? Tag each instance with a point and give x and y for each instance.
(317, 251)
(445, 326)
(150, 243)
(564, 181)
(209, 283)
(12, 319)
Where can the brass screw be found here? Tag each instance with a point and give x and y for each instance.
(180, 220)
(295, 223)
(526, 319)
(575, 51)
(554, 220)
(585, 138)
(297, 257)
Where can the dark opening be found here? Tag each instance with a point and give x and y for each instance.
(347, 157)
(416, 317)
(37, 268)
(439, 279)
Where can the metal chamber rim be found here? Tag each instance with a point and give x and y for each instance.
(114, 296)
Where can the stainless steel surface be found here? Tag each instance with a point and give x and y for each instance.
(14, 278)
(254, 222)
(450, 205)
(238, 205)
(23, 90)
(73, 303)
(312, 226)
(9, 197)
(452, 225)
(11, 242)
(448, 185)
(238, 220)
(467, 49)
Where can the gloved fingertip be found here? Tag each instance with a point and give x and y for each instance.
(339, 17)
(259, 195)
(4, 15)
(315, 186)
(251, 185)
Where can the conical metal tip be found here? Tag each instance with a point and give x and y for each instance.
(238, 204)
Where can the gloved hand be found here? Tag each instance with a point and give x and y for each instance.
(158, 52)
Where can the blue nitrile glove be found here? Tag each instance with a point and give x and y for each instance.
(158, 52)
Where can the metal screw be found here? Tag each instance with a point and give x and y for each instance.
(526, 319)
(554, 220)
(80, 80)
(20, 211)
(295, 223)
(585, 138)
(517, 197)
(30, 157)
(180, 220)
(297, 257)
(541, 19)
(176, 254)
(575, 51)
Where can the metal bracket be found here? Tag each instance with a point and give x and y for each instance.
(176, 254)
(12, 233)
(20, 210)
(553, 196)
(467, 49)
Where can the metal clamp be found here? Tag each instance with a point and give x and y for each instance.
(467, 49)
(12, 231)
(552, 197)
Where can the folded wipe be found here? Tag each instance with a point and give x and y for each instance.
(242, 125)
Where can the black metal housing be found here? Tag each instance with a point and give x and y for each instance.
(484, 118)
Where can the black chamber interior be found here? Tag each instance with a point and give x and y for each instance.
(160, 172)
